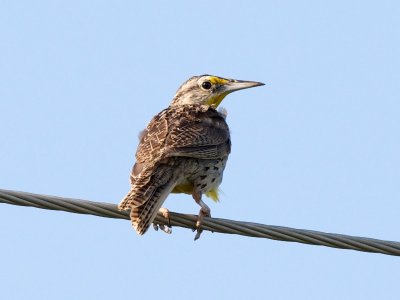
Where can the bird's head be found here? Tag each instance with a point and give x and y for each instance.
(209, 90)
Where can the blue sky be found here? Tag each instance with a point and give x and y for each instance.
(317, 147)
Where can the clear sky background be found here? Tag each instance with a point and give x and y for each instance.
(317, 147)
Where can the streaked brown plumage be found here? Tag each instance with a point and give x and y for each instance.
(183, 149)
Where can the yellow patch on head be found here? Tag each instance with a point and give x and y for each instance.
(216, 100)
(217, 80)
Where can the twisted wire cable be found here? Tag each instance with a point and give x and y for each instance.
(280, 233)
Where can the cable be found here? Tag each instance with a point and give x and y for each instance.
(287, 234)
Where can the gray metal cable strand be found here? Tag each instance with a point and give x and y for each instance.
(109, 210)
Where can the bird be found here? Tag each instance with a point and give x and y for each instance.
(183, 149)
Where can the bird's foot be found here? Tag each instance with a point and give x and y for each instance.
(165, 213)
(204, 212)
(165, 228)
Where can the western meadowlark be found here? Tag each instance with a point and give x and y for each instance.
(184, 149)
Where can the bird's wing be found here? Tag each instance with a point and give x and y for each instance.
(152, 139)
(190, 131)
(199, 134)
(146, 174)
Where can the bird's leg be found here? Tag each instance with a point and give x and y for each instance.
(165, 228)
(204, 212)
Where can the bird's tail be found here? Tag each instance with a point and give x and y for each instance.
(147, 195)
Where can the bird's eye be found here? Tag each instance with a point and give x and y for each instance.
(206, 85)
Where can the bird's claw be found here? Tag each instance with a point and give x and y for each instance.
(203, 213)
(165, 228)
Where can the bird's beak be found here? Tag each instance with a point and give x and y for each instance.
(235, 85)
(227, 86)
